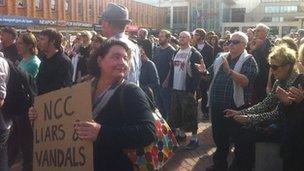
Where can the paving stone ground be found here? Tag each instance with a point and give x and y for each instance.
(200, 158)
(197, 159)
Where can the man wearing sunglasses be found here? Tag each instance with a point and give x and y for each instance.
(233, 74)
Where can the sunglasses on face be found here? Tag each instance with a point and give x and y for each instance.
(234, 42)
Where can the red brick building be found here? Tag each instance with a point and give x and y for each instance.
(73, 14)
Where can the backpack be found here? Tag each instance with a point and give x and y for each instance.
(20, 92)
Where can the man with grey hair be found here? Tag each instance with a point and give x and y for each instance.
(233, 74)
(144, 42)
(260, 50)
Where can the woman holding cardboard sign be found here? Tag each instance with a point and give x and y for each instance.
(120, 121)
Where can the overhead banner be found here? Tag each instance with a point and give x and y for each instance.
(22, 20)
(16, 20)
(56, 144)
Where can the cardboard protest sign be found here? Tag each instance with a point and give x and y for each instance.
(56, 145)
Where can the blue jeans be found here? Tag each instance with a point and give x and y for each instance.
(163, 101)
(4, 134)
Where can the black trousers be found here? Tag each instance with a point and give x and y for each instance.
(21, 140)
(224, 132)
(4, 134)
(292, 149)
(204, 86)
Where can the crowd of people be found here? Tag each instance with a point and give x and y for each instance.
(251, 88)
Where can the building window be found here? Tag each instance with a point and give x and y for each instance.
(21, 3)
(238, 14)
(167, 15)
(226, 16)
(2, 2)
(180, 17)
(277, 19)
(53, 5)
(91, 8)
(80, 8)
(38, 4)
(67, 5)
(281, 9)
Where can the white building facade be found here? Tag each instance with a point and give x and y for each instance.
(282, 16)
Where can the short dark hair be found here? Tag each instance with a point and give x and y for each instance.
(11, 30)
(93, 68)
(216, 39)
(53, 35)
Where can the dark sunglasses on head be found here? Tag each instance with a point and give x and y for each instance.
(235, 42)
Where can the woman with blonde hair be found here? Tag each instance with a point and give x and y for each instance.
(290, 43)
(28, 50)
(284, 103)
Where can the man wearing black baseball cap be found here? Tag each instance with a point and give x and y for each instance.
(114, 20)
(8, 39)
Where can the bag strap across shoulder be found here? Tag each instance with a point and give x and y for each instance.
(121, 96)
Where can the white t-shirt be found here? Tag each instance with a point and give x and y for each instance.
(181, 63)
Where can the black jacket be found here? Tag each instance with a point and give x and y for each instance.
(54, 73)
(84, 55)
(293, 120)
(261, 57)
(208, 54)
(191, 82)
(11, 53)
(123, 126)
